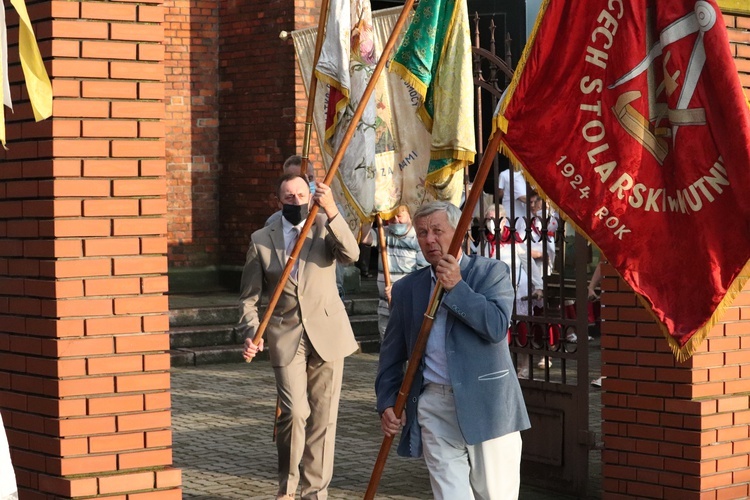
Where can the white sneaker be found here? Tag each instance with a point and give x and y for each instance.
(523, 373)
(597, 382)
(545, 362)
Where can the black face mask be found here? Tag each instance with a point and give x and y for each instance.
(295, 213)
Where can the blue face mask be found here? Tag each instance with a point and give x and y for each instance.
(398, 229)
(312, 188)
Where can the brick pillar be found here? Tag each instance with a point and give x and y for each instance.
(84, 368)
(673, 430)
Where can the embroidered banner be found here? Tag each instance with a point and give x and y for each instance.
(347, 60)
(402, 143)
(434, 58)
(629, 115)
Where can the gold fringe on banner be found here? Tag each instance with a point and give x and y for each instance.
(684, 352)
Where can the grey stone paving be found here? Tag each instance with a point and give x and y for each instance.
(222, 422)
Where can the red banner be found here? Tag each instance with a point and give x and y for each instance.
(630, 117)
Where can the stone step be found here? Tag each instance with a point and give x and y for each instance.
(203, 336)
(362, 306)
(194, 356)
(228, 314)
(207, 355)
(206, 344)
(203, 315)
(365, 326)
(369, 344)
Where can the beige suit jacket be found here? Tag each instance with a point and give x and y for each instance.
(311, 303)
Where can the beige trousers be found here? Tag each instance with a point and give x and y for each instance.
(309, 391)
(490, 470)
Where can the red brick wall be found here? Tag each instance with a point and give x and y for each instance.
(258, 102)
(84, 368)
(191, 64)
(235, 110)
(739, 39)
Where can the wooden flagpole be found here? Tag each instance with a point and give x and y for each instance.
(398, 26)
(320, 36)
(322, 20)
(383, 253)
(429, 316)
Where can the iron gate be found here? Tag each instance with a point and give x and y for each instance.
(549, 335)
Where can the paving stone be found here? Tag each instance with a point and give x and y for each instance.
(223, 422)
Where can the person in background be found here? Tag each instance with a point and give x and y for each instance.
(594, 300)
(404, 257)
(596, 280)
(538, 239)
(465, 410)
(515, 206)
(309, 334)
(512, 253)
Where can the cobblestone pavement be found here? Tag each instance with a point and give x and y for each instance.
(222, 422)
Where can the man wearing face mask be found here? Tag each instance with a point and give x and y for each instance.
(309, 334)
(293, 165)
(404, 256)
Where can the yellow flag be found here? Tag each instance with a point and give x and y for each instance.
(34, 72)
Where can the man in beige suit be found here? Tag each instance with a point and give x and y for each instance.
(309, 332)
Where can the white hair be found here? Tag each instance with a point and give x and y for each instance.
(452, 212)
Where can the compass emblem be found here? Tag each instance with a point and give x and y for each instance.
(656, 131)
